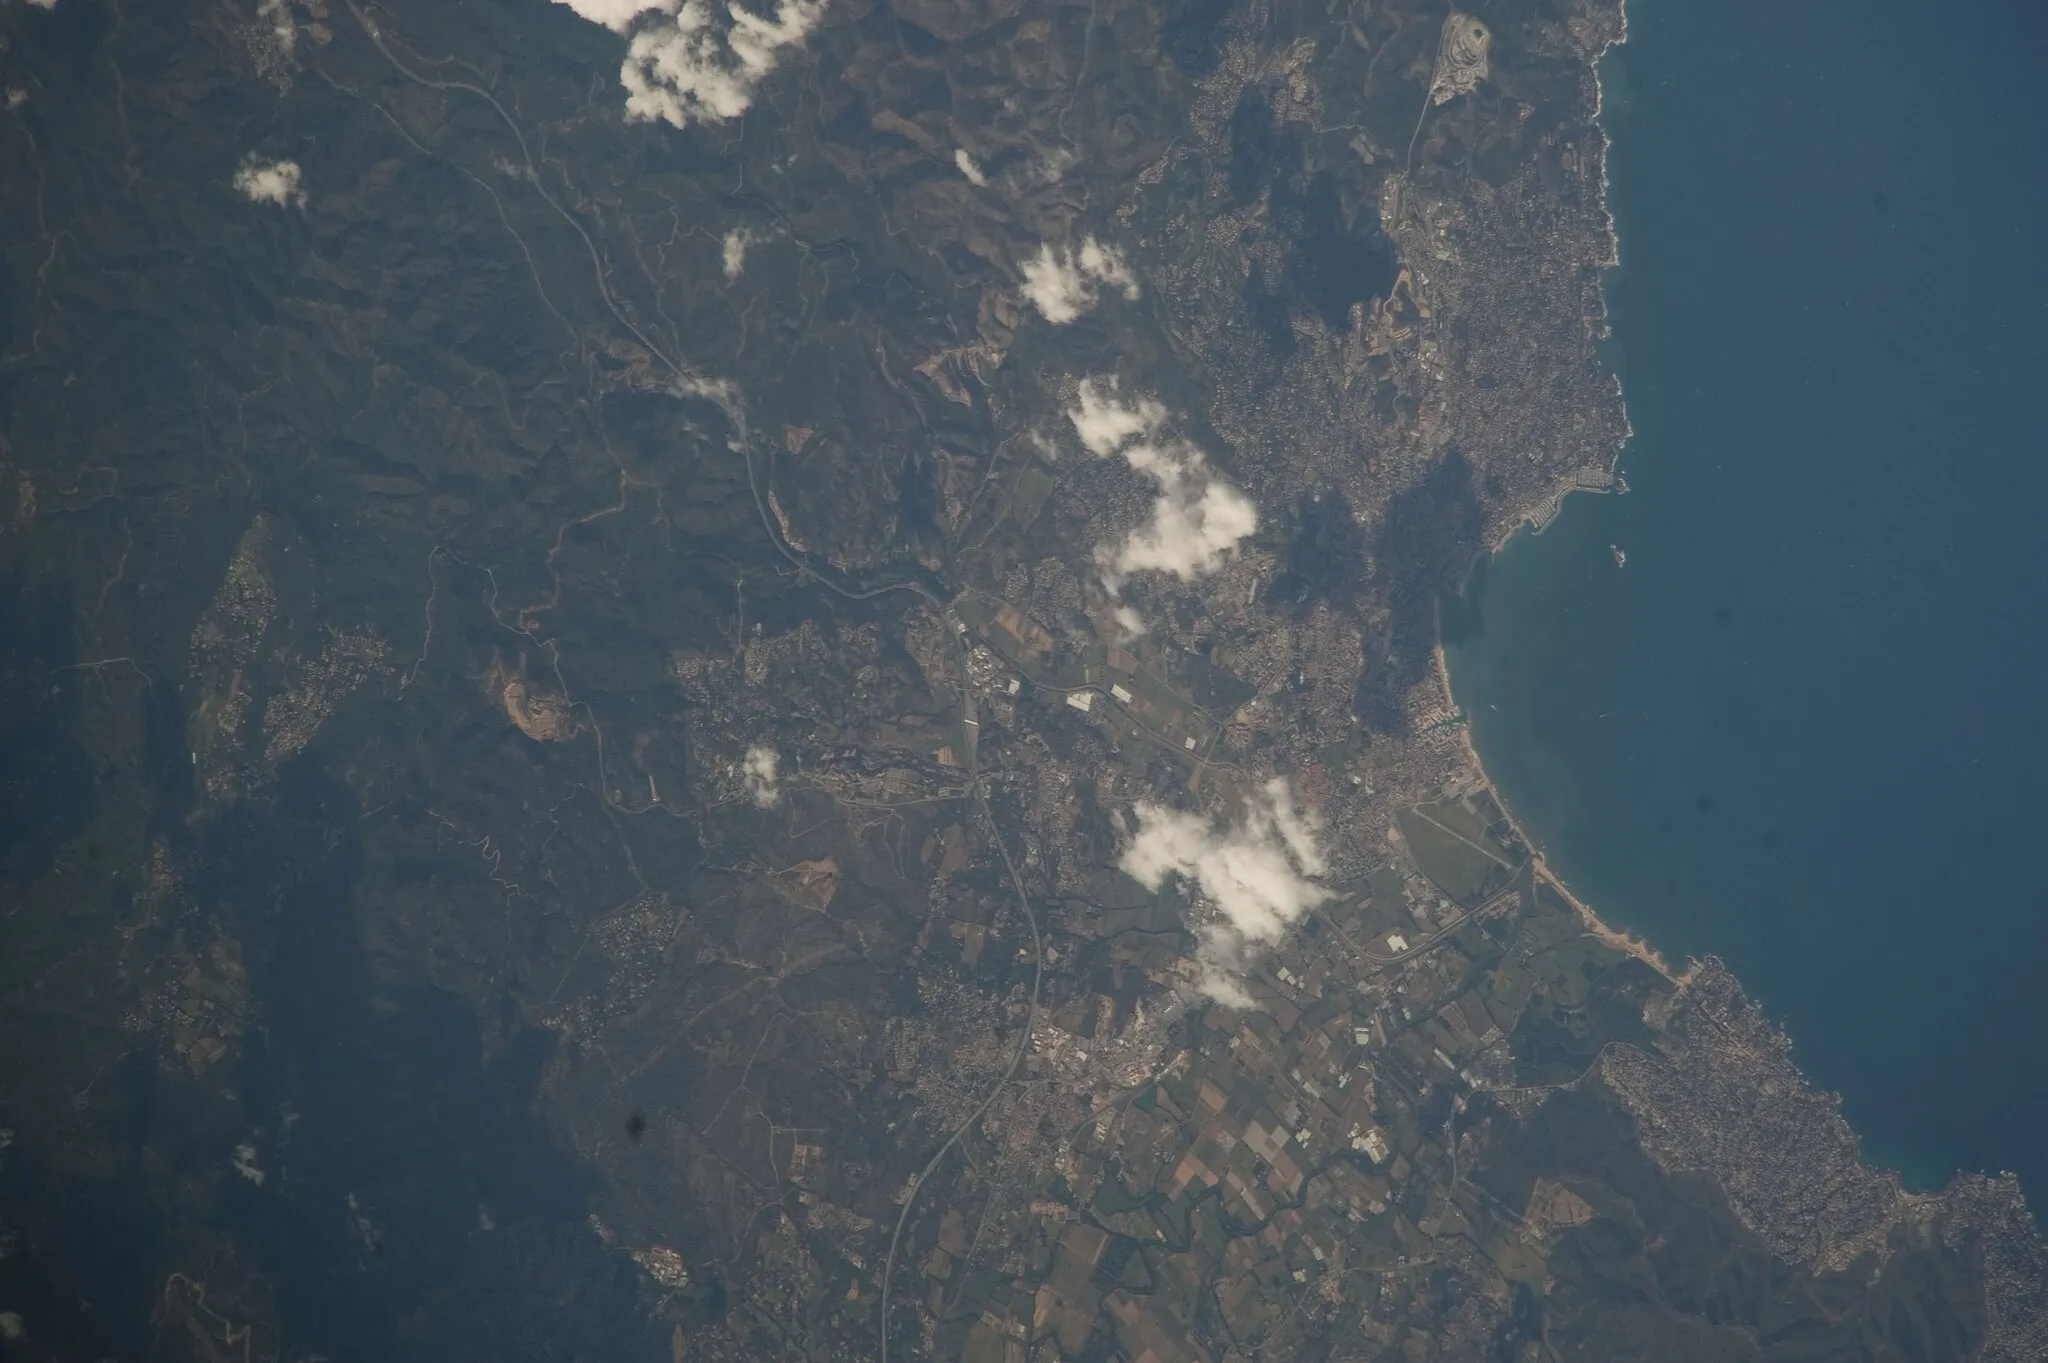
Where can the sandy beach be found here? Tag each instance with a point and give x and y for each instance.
(1596, 926)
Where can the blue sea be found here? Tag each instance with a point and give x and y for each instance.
(1806, 726)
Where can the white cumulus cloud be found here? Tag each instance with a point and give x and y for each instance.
(1063, 284)
(279, 13)
(245, 1164)
(733, 252)
(1105, 420)
(271, 182)
(1259, 873)
(757, 776)
(1198, 518)
(966, 165)
(693, 61)
(616, 15)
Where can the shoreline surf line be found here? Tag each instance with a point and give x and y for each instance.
(1639, 947)
(1539, 518)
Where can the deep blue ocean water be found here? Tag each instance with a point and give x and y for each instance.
(1806, 726)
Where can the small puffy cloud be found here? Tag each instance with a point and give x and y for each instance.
(1259, 874)
(1105, 265)
(1195, 525)
(734, 252)
(1053, 284)
(272, 182)
(1063, 284)
(245, 1164)
(1197, 521)
(279, 15)
(757, 776)
(616, 15)
(1051, 166)
(695, 61)
(968, 168)
(1105, 420)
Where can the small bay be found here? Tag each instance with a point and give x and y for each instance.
(1805, 726)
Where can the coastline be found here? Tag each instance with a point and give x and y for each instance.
(1538, 518)
(1968, 1201)
(1639, 947)
(1540, 515)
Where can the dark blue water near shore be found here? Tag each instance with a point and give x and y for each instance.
(1806, 727)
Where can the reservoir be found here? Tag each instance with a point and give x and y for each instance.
(1805, 727)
